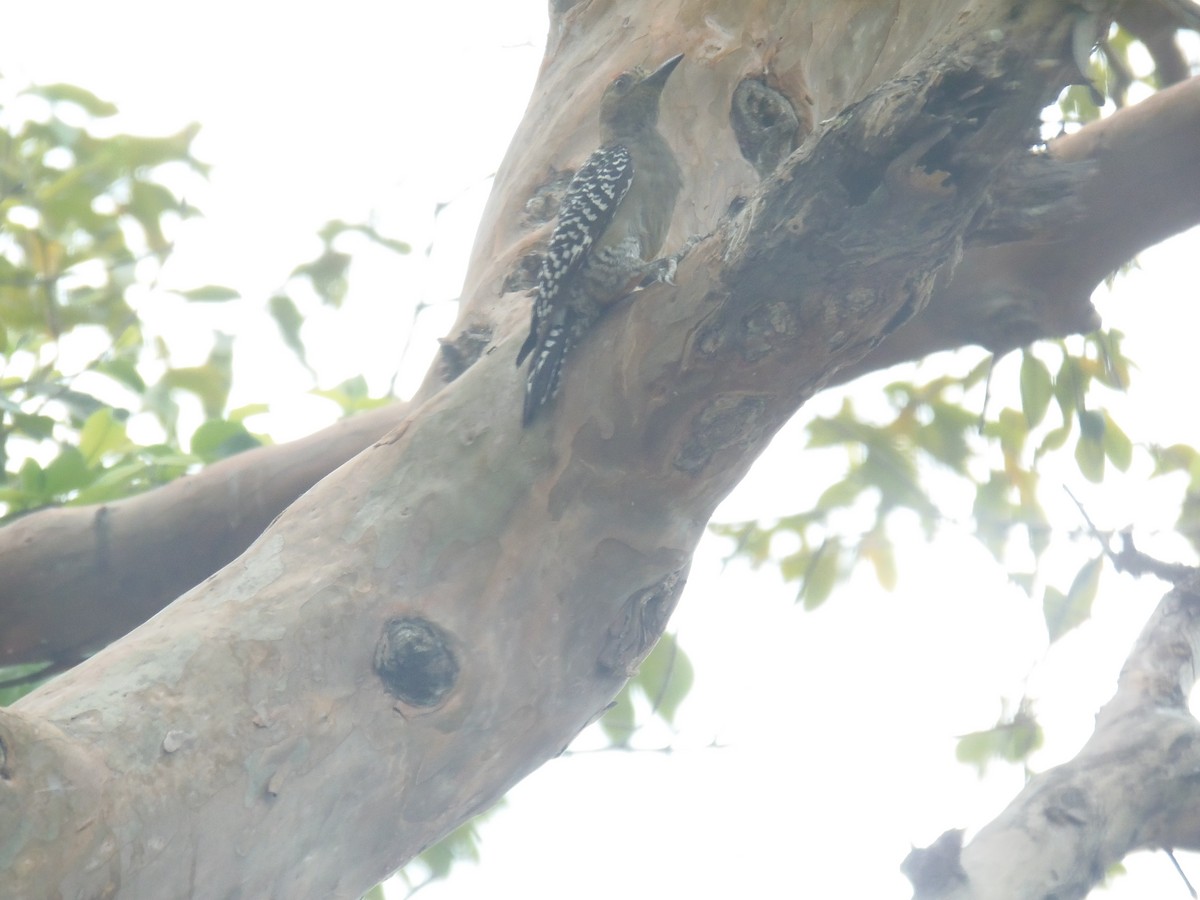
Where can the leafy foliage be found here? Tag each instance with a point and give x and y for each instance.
(85, 224)
(940, 438)
(1011, 739)
(327, 277)
(929, 444)
(940, 428)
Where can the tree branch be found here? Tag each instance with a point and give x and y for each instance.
(1133, 786)
(64, 592)
(76, 578)
(1007, 296)
(447, 610)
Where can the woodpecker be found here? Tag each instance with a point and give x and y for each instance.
(612, 221)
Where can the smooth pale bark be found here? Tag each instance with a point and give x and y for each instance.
(448, 609)
(75, 579)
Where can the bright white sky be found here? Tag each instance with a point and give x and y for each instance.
(836, 726)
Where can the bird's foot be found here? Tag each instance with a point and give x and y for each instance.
(661, 271)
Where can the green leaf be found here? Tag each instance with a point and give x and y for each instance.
(62, 201)
(1069, 386)
(1054, 439)
(831, 431)
(83, 405)
(822, 574)
(665, 676)
(286, 315)
(219, 439)
(37, 428)
(1012, 429)
(618, 722)
(102, 433)
(994, 514)
(1064, 612)
(139, 152)
(250, 409)
(460, 844)
(210, 293)
(327, 274)
(793, 566)
(1115, 365)
(750, 541)
(946, 437)
(1089, 455)
(1077, 104)
(981, 371)
(1175, 458)
(880, 553)
(148, 203)
(70, 93)
(1008, 741)
(331, 229)
(10, 695)
(114, 483)
(210, 382)
(1091, 425)
(1089, 450)
(32, 479)
(1024, 580)
(129, 338)
(1037, 389)
(1117, 446)
(352, 395)
(892, 470)
(67, 472)
(124, 372)
(839, 494)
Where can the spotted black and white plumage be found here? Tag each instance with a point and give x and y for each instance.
(613, 220)
(559, 319)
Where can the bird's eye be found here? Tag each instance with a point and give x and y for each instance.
(622, 82)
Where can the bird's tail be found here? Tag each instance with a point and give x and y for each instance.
(545, 371)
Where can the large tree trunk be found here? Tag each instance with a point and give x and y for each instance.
(75, 578)
(447, 610)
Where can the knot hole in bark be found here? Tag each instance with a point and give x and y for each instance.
(728, 420)
(524, 275)
(540, 209)
(640, 624)
(463, 350)
(414, 660)
(543, 203)
(765, 124)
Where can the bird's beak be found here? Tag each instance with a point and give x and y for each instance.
(660, 75)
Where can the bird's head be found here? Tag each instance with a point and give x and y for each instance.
(630, 102)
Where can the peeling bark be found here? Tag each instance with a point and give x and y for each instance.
(1005, 296)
